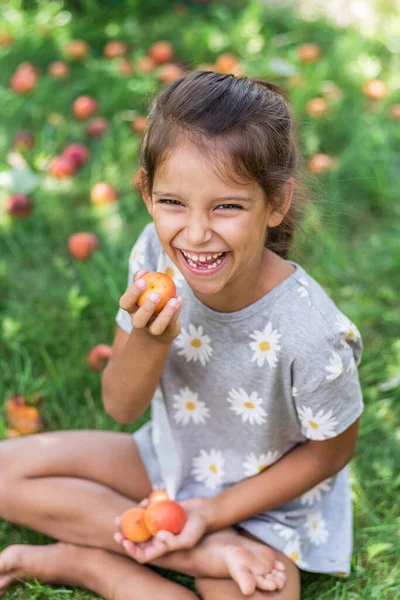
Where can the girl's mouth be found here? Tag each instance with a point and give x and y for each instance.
(203, 265)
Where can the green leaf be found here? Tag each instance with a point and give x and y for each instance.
(379, 548)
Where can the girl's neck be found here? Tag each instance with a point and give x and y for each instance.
(252, 286)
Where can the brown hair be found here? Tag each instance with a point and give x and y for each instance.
(244, 125)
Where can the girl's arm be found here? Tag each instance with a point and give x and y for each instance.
(137, 359)
(290, 477)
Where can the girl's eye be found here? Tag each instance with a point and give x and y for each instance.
(169, 202)
(230, 206)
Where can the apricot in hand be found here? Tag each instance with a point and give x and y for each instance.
(133, 526)
(165, 515)
(161, 283)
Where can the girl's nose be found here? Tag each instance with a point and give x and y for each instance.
(198, 232)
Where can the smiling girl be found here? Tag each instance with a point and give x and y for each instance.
(251, 373)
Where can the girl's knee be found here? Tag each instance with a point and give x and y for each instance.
(226, 589)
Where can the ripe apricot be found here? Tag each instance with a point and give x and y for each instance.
(157, 496)
(133, 525)
(160, 283)
(165, 515)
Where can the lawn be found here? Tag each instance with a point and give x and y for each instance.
(55, 308)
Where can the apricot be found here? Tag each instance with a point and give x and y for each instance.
(309, 53)
(317, 107)
(99, 356)
(103, 193)
(84, 106)
(145, 64)
(375, 89)
(77, 49)
(62, 167)
(58, 69)
(165, 515)
(97, 127)
(160, 283)
(115, 48)
(161, 52)
(169, 73)
(21, 417)
(157, 496)
(78, 153)
(395, 111)
(226, 62)
(81, 245)
(139, 124)
(18, 205)
(133, 525)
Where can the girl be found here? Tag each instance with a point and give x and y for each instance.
(250, 371)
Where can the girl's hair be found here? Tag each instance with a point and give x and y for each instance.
(243, 125)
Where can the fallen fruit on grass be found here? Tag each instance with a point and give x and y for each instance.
(77, 49)
(157, 496)
(62, 167)
(21, 417)
(133, 526)
(81, 245)
(165, 515)
(97, 127)
(78, 153)
(115, 48)
(162, 284)
(375, 89)
(23, 140)
(169, 73)
(309, 53)
(145, 64)
(84, 106)
(24, 79)
(58, 69)
(103, 193)
(317, 107)
(18, 205)
(161, 52)
(139, 124)
(99, 356)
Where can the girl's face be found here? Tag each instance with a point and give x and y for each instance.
(213, 232)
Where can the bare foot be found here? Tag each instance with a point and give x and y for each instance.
(52, 563)
(251, 564)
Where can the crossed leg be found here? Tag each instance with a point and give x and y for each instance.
(71, 485)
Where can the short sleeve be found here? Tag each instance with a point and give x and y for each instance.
(326, 389)
(142, 256)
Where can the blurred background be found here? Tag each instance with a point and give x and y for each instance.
(76, 82)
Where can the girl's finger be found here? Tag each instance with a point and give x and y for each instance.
(139, 274)
(165, 317)
(146, 311)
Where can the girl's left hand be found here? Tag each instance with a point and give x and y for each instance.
(197, 522)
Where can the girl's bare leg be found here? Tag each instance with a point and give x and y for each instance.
(71, 485)
(109, 575)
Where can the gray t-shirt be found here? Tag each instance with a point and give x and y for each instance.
(241, 389)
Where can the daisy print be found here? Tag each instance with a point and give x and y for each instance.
(253, 465)
(189, 408)
(283, 531)
(335, 368)
(317, 532)
(194, 345)
(302, 289)
(169, 268)
(209, 467)
(348, 331)
(265, 346)
(315, 494)
(293, 551)
(318, 426)
(247, 407)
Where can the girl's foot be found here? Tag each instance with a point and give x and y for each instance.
(250, 563)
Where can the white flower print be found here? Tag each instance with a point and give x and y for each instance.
(302, 289)
(209, 467)
(336, 366)
(317, 532)
(265, 346)
(351, 367)
(172, 270)
(319, 426)
(255, 464)
(295, 392)
(194, 345)
(348, 331)
(283, 531)
(248, 407)
(188, 407)
(315, 494)
(293, 551)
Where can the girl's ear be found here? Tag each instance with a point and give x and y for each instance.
(145, 192)
(286, 194)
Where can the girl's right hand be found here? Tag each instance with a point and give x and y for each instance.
(165, 326)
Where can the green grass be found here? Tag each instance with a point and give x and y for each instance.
(54, 309)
